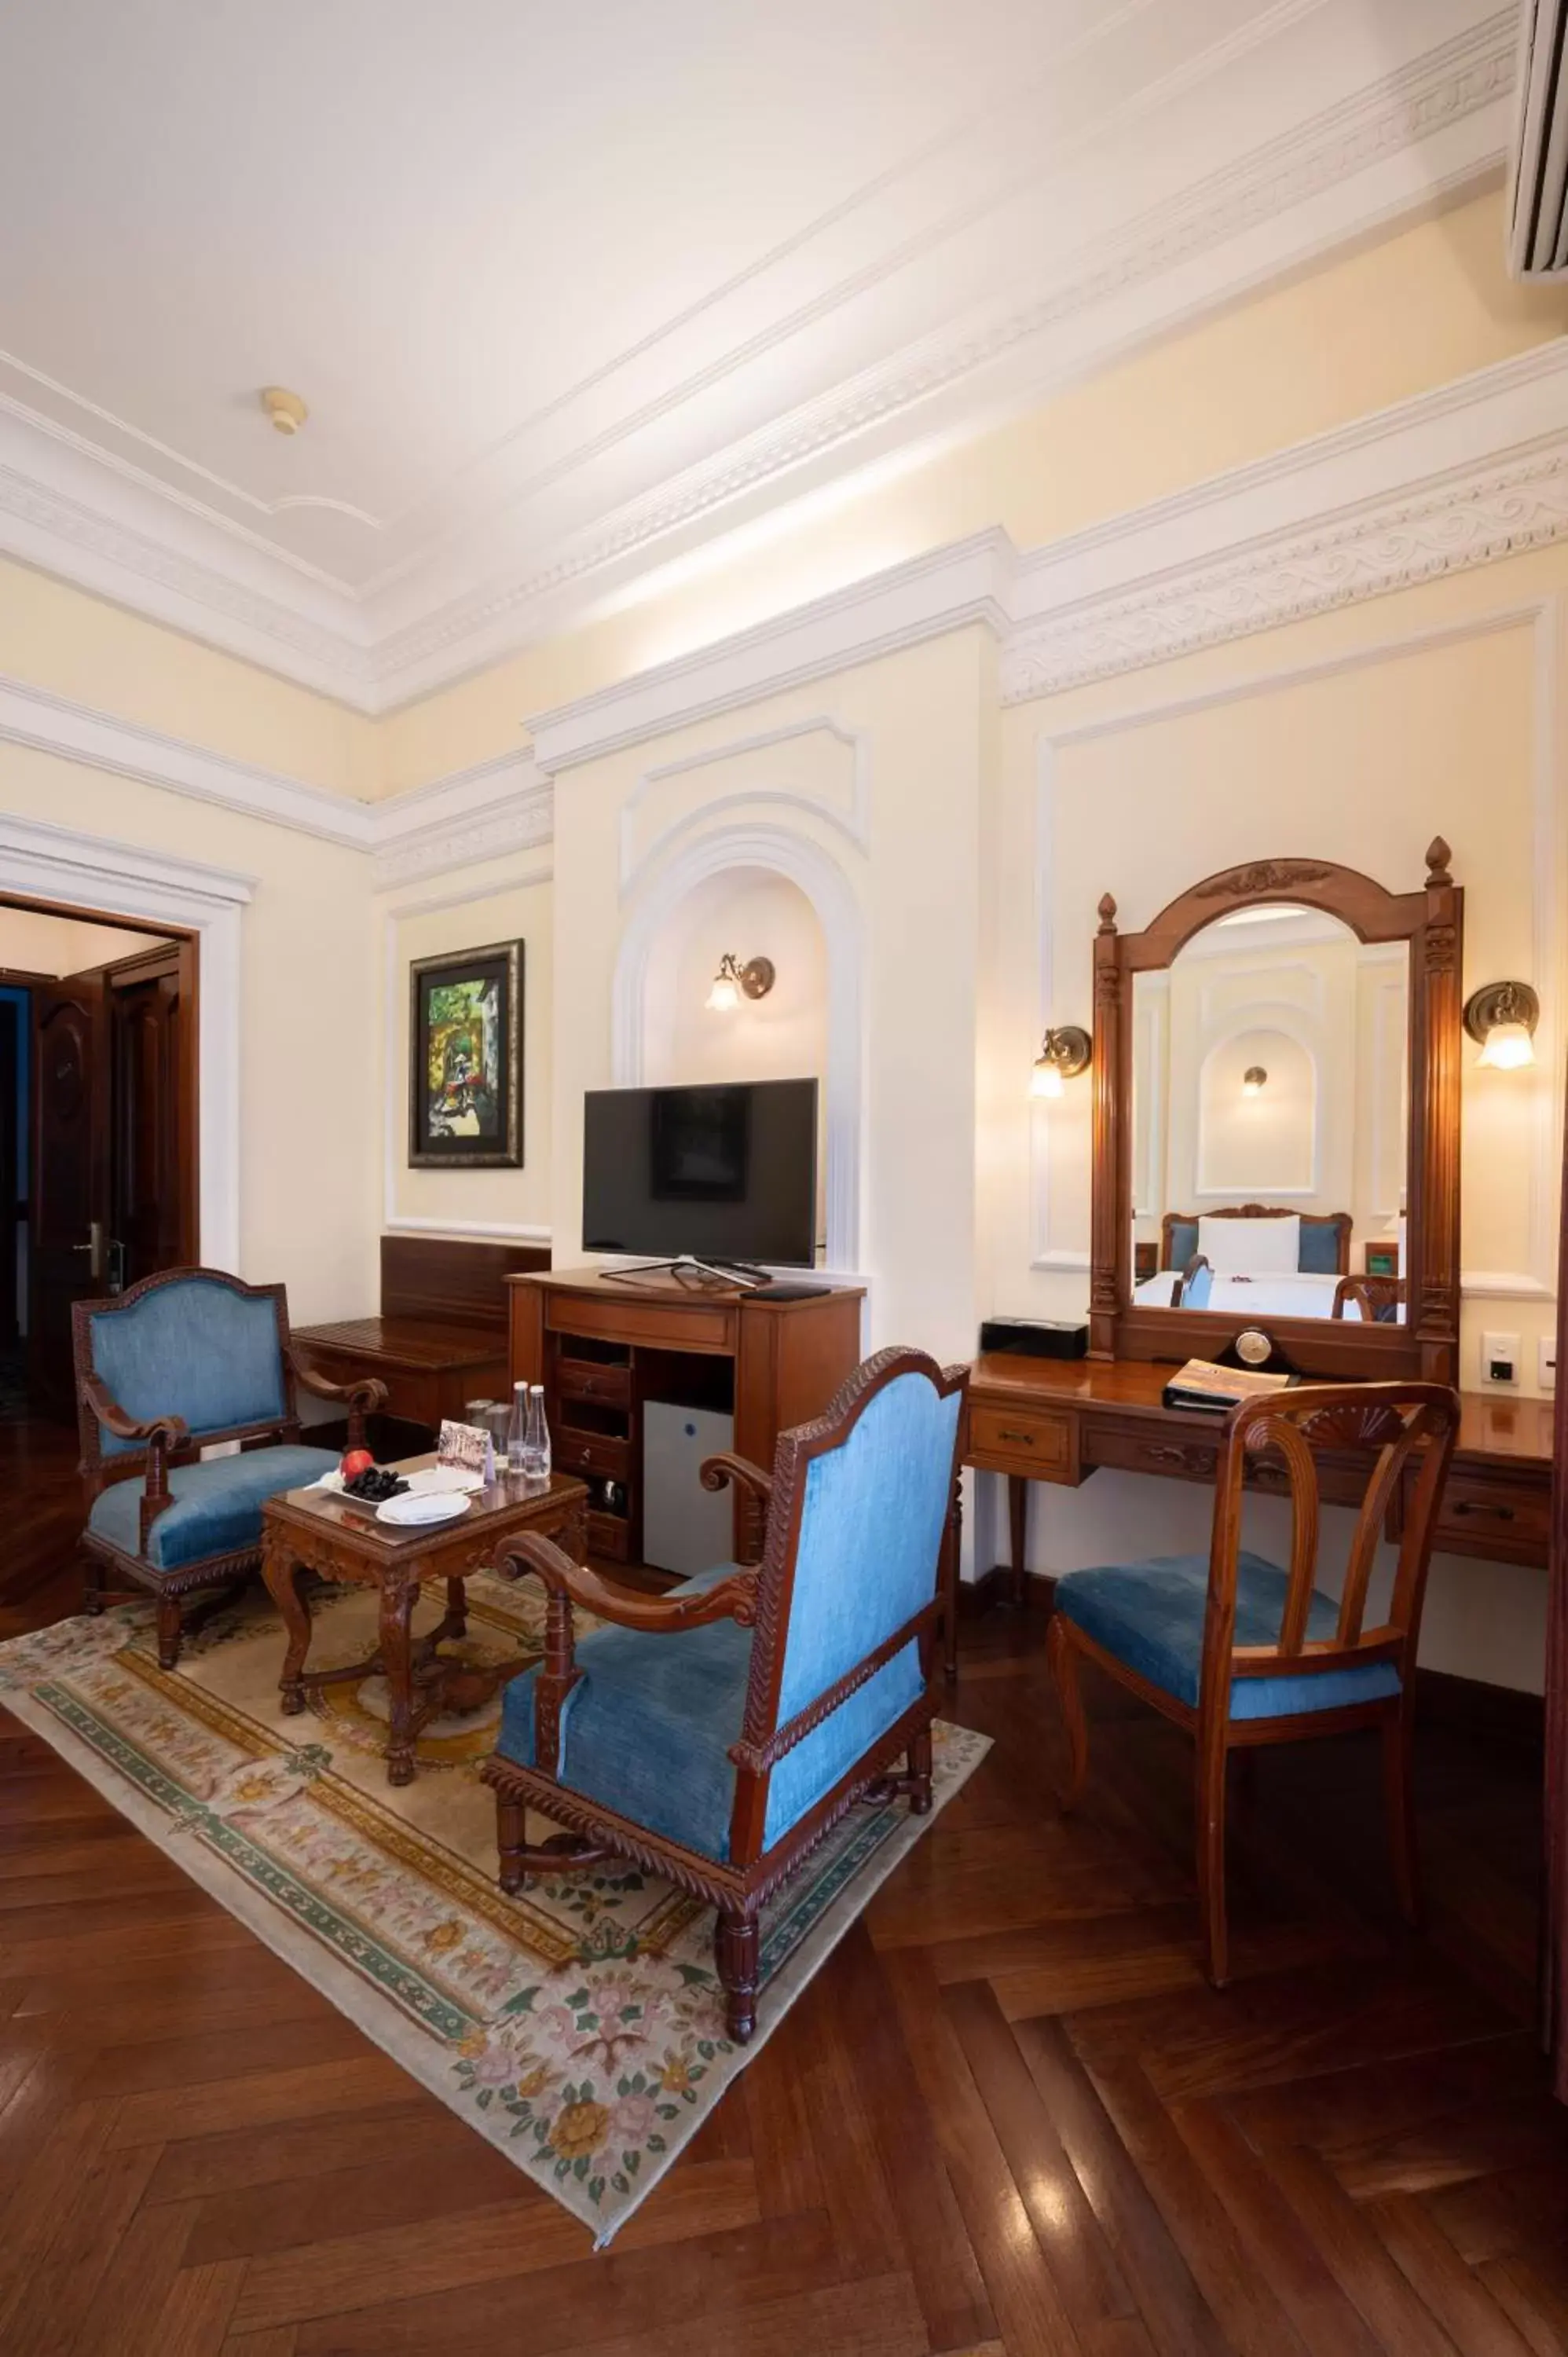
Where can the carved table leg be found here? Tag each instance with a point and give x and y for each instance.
(456, 1621)
(574, 1539)
(397, 1666)
(284, 1580)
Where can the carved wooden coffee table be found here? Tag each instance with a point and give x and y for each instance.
(314, 1530)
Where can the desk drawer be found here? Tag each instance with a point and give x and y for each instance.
(1133, 1447)
(591, 1452)
(1022, 1441)
(1503, 1516)
(586, 1379)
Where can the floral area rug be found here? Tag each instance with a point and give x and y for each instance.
(579, 2027)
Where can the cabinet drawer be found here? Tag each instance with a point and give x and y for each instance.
(1022, 1441)
(591, 1452)
(672, 1326)
(609, 1535)
(586, 1379)
(1502, 1516)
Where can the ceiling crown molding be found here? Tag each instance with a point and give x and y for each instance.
(1475, 470)
(1428, 127)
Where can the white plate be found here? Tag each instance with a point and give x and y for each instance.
(444, 1480)
(414, 1507)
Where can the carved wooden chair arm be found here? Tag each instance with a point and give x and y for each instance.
(169, 1431)
(732, 1598)
(365, 1393)
(756, 1489)
(567, 1583)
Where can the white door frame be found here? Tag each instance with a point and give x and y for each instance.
(95, 873)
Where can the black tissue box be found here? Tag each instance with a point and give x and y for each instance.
(1037, 1338)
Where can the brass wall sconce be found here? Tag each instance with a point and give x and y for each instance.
(1502, 1017)
(754, 979)
(1064, 1053)
(1252, 1080)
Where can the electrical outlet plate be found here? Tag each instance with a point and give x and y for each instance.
(1546, 1361)
(1499, 1358)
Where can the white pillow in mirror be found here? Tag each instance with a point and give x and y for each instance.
(1250, 1247)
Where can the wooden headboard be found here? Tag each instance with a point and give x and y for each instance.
(1340, 1221)
(455, 1284)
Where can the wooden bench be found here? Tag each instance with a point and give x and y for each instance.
(441, 1338)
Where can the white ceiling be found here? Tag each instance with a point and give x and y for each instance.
(569, 291)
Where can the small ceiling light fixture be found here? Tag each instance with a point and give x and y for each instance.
(755, 978)
(1064, 1053)
(1252, 1080)
(285, 411)
(1502, 1017)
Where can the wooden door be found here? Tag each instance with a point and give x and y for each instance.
(69, 1255)
(151, 1187)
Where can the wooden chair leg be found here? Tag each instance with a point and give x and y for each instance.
(735, 1952)
(1400, 1800)
(1062, 1656)
(92, 1585)
(170, 1631)
(1209, 1811)
(510, 1818)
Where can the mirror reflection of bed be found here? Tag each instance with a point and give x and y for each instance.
(1270, 1114)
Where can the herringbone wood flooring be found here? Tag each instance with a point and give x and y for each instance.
(1006, 2117)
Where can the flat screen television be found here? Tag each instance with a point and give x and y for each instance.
(727, 1172)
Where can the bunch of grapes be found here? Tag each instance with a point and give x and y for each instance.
(375, 1484)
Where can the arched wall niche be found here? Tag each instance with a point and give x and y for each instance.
(656, 1000)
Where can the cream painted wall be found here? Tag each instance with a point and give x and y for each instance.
(33, 942)
(309, 1067)
(907, 877)
(781, 1037)
(1419, 308)
(82, 647)
(471, 915)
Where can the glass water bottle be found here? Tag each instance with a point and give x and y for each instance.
(536, 1441)
(517, 1430)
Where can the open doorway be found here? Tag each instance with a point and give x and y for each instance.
(98, 1129)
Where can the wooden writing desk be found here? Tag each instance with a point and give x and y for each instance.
(1062, 1419)
(441, 1338)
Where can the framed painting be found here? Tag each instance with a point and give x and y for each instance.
(465, 1057)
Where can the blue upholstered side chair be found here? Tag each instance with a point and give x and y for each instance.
(715, 1734)
(186, 1357)
(1238, 1650)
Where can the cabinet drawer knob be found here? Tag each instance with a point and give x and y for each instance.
(1479, 1506)
(1025, 1439)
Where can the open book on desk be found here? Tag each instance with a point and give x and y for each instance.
(1201, 1384)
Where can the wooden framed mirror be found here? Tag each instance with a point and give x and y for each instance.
(1327, 1215)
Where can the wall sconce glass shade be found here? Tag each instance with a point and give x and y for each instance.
(1252, 1080)
(1064, 1053)
(755, 978)
(1502, 1016)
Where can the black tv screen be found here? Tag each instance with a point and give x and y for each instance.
(727, 1172)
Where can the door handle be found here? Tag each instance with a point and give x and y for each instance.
(95, 1246)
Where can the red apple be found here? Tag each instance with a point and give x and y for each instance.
(354, 1462)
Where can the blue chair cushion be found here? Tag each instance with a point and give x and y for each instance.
(1150, 1616)
(647, 1729)
(192, 1348)
(217, 1506)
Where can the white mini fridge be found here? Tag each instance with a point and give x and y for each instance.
(685, 1528)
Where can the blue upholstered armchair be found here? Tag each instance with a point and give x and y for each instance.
(180, 1361)
(715, 1734)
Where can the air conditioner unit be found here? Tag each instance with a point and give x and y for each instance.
(1538, 173)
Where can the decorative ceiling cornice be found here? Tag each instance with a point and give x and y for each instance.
(1343, 173)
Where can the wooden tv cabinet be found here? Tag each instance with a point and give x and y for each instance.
(601, 1348)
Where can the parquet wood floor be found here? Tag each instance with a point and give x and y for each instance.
(1006, 2117)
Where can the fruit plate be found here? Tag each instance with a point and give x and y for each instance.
(415, 1508)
